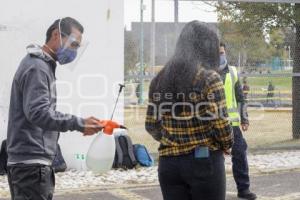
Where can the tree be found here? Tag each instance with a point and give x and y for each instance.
(296, 79)
(267, 17)
(289, 40)
(130, 53)
(277, 42)
(245, 48)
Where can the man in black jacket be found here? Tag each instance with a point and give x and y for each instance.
(34, 124)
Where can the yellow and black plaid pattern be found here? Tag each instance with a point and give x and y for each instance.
(181, 134)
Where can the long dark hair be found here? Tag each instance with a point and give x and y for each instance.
(196, 48)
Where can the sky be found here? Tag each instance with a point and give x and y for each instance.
(188, 11)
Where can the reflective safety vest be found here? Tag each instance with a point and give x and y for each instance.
(231, 79)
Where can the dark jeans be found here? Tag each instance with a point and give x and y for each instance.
(31, 182)
(188, 178)
(240, 167)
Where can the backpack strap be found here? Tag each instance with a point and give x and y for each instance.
(130, 149)
(119, 152)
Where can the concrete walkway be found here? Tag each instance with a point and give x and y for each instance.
(275, 186)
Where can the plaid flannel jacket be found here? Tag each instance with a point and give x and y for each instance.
(205, 124)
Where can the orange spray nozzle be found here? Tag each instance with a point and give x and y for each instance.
(109, 126)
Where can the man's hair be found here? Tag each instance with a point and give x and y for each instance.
(66, 25)
(222, 44)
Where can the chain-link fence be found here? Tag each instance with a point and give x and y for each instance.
(261, 41)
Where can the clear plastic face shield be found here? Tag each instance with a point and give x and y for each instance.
(72, 48)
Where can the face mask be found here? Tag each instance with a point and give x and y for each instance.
(65, 55)
(223, 62)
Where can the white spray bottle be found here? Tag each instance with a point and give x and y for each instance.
(101, 153)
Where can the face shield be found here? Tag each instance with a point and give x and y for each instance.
(71, 49)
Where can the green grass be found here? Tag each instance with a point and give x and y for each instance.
(280, 83)
(266, 129)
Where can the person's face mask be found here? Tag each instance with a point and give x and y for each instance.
(223, 62)
(64, 53)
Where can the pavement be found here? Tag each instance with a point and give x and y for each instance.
(284, 185)
(274, 176)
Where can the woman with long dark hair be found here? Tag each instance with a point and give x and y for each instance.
(187, 114)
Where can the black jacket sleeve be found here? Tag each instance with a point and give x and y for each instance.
(38, 108)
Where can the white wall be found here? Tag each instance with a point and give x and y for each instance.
(87, 88)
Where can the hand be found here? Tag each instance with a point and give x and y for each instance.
(91, 126)
(245, 127)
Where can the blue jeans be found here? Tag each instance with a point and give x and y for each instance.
(240, 167)
(188, 178)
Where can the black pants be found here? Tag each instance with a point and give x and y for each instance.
(31, 182)
(240, 167)
(187, 178)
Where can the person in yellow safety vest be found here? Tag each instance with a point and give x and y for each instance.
(239, 118)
